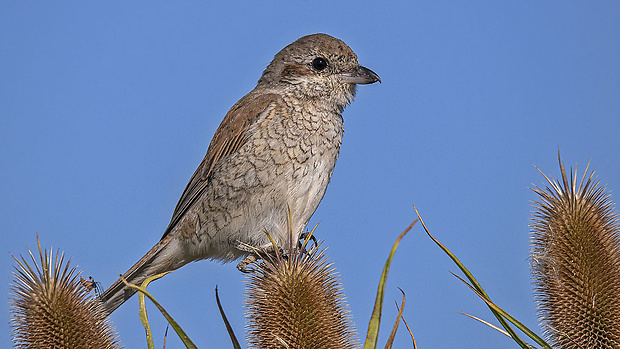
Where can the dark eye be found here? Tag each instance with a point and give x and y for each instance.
(319, 63)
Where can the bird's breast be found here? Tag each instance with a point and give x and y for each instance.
(286, 164)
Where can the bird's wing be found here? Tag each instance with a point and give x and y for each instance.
(229, 137)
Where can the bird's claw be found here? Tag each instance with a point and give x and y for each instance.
(257, 254)
(303, 237)
(245, 263)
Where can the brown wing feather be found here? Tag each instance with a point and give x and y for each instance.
(229, 137)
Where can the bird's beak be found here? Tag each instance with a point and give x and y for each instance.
(360, 75)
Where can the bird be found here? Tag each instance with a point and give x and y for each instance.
(267, 166)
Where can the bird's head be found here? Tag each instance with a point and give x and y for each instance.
(318, 66)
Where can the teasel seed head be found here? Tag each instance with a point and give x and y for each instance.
(575, 255)
(297, 302)
(52, 308)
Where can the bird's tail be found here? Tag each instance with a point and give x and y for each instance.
(158, 260)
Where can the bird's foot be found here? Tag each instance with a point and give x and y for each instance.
(245, 263)
(302, 241)
(255, 254)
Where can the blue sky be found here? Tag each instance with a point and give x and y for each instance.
(107, 108)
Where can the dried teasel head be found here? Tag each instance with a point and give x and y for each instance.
(52, 308)
(575, 254)
(297, 302)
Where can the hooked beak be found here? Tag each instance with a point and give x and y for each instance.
(361, 76)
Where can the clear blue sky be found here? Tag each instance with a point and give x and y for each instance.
(106, 109)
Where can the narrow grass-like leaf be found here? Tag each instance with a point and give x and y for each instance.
(415, 345)
(474, 282)
(507, 316)
(229, 329)
(142, 289)
(486, 323)
(166, 335)
(375, 319)
(390, 341)
(144, 318)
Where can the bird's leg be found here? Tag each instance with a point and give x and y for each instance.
(256, 253)
(269, 252)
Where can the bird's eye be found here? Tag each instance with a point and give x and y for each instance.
(319, 63)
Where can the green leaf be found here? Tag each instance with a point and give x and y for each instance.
(508, 317)
(144, 318)
(229, 329)
(390, 341)
(475, 285)
(375, 319)
(184, 338)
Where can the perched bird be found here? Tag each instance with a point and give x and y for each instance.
(273, 153)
